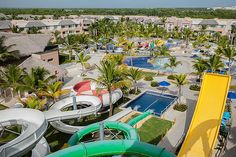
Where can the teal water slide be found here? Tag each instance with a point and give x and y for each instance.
(135, 120)
(129, 132)
(131, 145)
(112, 147)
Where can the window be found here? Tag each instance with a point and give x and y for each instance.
(55, 27)
(62, 26)
(51, 59)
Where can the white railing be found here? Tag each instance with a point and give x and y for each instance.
(24, 143)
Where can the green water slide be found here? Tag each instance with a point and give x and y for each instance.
(131, 145)
(113, 147)
(135, 120)
(129, 132)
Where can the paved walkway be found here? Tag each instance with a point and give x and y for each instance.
(182, 119)
(231, 145)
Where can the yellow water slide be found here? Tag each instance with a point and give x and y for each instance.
(204, 128)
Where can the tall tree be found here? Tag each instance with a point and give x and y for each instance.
(82, 59)
(199, 66)
(16, 29)
(57, 37)
(230, 53)
(173, 63)
(134, 75)
(129, 48)
(54, 91)
(36, 80)
(187, 34)
(180, 80)
(214, 63)
(70, 45)
(109, 77)
(11, 77)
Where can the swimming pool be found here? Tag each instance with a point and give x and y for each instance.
(143, 62)
(154, 101)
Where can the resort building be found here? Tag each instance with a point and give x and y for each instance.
(5, 26)
(34, 49)
(34, 62)
(48, 26)
(74, 24)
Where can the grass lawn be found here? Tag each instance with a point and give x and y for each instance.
(153, 130)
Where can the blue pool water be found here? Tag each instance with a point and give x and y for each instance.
(149, 100)
(143, 62)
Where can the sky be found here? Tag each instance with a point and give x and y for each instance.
(115, 3)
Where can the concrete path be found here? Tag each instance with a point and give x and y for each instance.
(182, 119)
(231, 145)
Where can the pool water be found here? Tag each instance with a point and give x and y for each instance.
(149, 100)
(143, 62)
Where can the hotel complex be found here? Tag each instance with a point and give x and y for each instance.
(79, 24)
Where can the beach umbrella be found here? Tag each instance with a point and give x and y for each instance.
(231, 95)
(164, 83)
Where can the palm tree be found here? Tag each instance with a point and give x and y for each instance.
(109, 77)
(187, 34)
(180, 80)
(203, 29)
(229, 53)
(216, 36)
(11, 77)
(34, 102)
(83, 41)
(16, 29)
(54, 91)
(5, 51)
(214, 63)
(82, 59)
(129, 48)
(134, 75)
(33, 30)
(70, 45)
(173, 63)
(36, 80)
(57, 37)
(199, 66)
(163, 21)
(162, 51)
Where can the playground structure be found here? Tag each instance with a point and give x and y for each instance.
(200, 139)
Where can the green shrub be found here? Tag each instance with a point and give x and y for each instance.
(180, 107)
(148, 78)
(154, 84)
(195, 87)
(171, 77)
(132, 91)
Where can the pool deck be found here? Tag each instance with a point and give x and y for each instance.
(182, 119)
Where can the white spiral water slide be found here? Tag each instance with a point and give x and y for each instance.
(34, 123)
